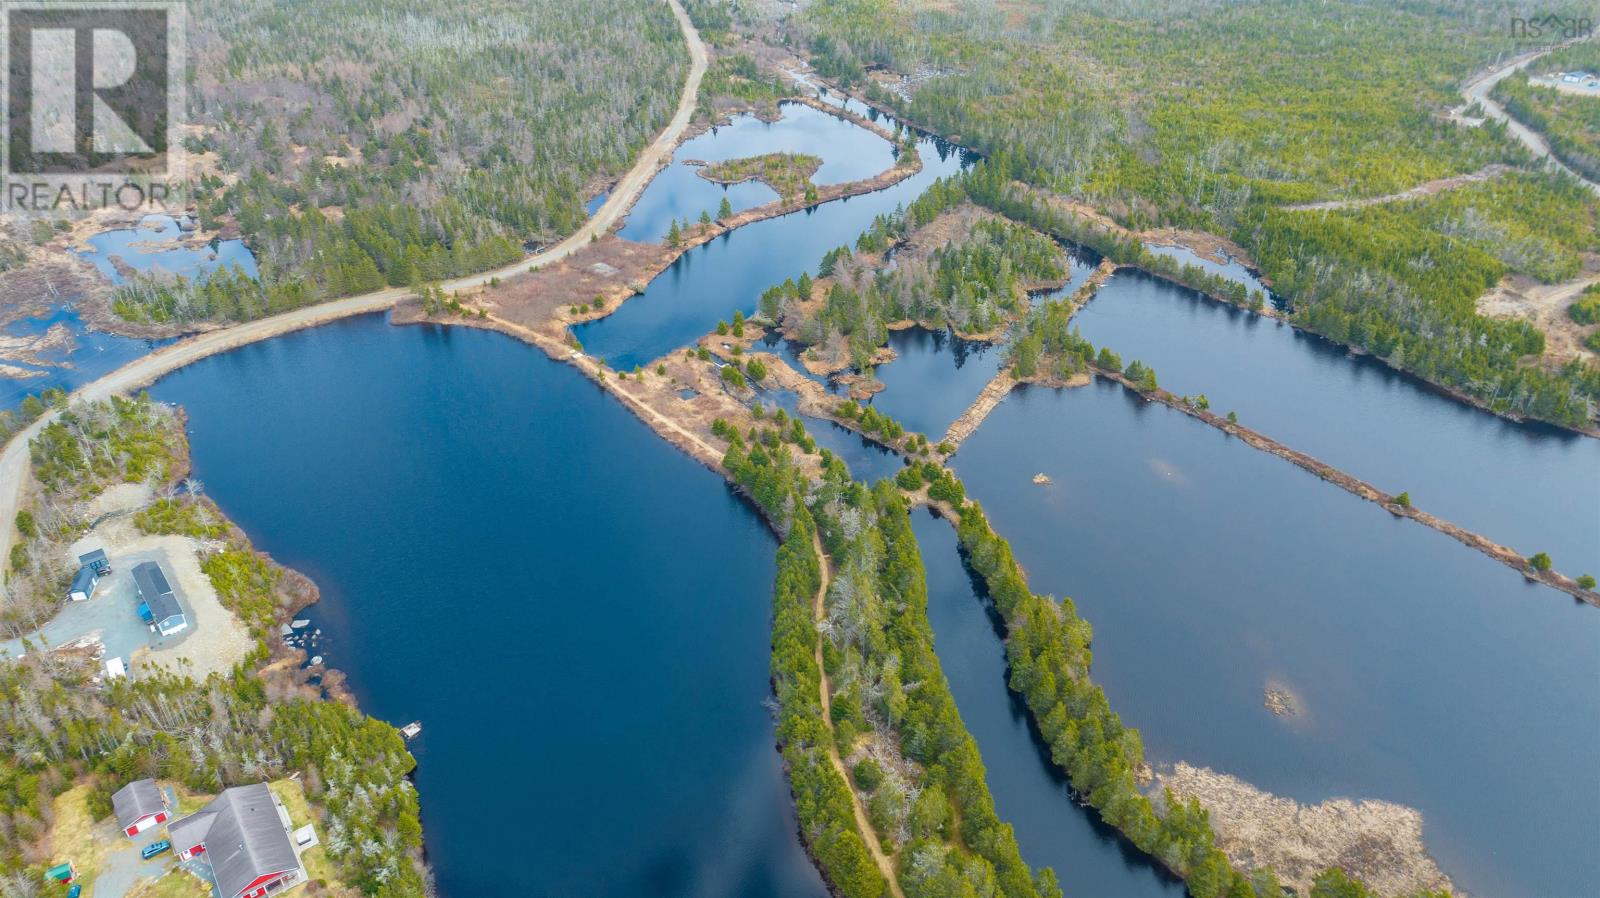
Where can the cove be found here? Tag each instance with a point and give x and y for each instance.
(578, 613)
(1529, 486)
(706, 284)
(848, 153)
(934, 377)
(1029, 791)
(1430, 675)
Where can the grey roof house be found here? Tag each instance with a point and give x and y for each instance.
(139, 805)
(91, 567)
(83, 584)
(157, 604)
(244, 836)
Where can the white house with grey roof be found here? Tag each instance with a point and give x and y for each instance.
(139, 805)
(244, 836)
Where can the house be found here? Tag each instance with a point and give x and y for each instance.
(244, 836)
(91, 567)
(83, 584)
(139, 805)
(157, 605)
(97, 560)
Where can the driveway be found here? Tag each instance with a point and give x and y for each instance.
(110, 617)
(124, 868)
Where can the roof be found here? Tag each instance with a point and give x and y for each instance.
(151, 581)
(243, 835)
(98, 556)
(155, 591)
(85, 580)
(136, 801)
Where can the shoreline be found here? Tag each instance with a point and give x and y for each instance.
(1359, 488)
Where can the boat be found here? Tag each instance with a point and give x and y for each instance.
(412, 730)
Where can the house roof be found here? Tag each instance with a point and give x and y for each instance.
(155, 591)
(84, 580)
(136, 801)
(244, 837)
(150, 579)
(98, 556)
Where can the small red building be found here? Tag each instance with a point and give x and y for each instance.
(139, 805)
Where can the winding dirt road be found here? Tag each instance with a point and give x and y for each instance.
(869, 835)
(14, 468)
(1477, 91)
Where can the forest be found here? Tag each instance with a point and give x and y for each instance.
(893, 718)
(60, 726)
(975, 282)
(1209, 117)
(358, 144)
(1571, 123)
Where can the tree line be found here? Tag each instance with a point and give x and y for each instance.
(925, 786)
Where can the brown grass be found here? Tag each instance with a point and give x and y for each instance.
(73, 836)
(1378, 841)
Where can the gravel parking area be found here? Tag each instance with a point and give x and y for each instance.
(213, 643)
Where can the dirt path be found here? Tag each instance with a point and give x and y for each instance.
(868, 834)
(1362, 489)
(1426, 189)
(994, 392)
(1545, 307)
(14, 469)
(1477, 91)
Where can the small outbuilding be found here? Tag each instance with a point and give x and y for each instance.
(91, 567)
(83, 584)
(97, 560)
(157, 604)
(139, 805)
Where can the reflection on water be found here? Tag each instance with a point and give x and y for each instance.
(678, 193)
(1432, 676)
(157, 247)
(1528, 486)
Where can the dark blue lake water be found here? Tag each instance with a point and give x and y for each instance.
(503, 555)
(1431, 675)
(706, 284)
(934, 378)
(1531, 487)
(678, 193)
(1029, 791)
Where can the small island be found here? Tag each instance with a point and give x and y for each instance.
(787, 173)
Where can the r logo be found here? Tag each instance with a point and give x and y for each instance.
(88, 89)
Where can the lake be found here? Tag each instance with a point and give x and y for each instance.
(848, 153)
(706, 284)
(1529, 486)
(503, 555)
(1431, 675)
